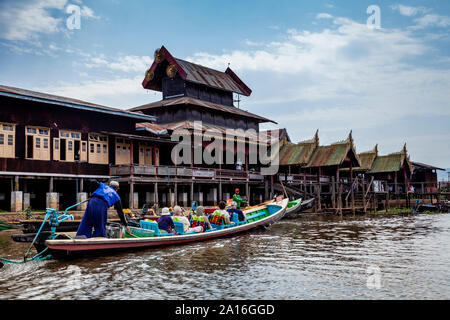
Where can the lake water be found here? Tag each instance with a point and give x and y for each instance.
(304, 257)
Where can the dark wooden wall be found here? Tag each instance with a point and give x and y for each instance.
(195, 113)
(24, 112)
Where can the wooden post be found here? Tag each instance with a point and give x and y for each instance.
(333, 192)
(271, 186)
(352, 194)
(396, 190)
(319, 200)
(192, 192)
(266, 189)
(247, 192)
(155, 195)
(50, 189)
(364, 194)
(131, 198)
(175, 196)
(304, 184)
(339, 200)
(16, 183)
(387, 197)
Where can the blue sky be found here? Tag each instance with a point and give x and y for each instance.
(311, 64)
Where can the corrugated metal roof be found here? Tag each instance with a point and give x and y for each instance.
(421, 165)
(192, 72)
(213, 129)
(366, 160)
(210, 77)
(334, 154)
(68, 102)
(389, 163)
(300, 153)
(201, 103)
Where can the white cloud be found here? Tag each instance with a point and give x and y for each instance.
(431, 20)
(409, 11)
(118, 92)
(324, 16)
(128, 63)
(28, 20)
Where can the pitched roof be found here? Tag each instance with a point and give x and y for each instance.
(196, 102)
(195, 73)
(391, 162)
(212, 131)
(69, 102)
(424, 166)
(334, 154)
(300, 153)
(366, 159)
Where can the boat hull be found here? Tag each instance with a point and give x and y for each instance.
(65, 248)
(296, 208)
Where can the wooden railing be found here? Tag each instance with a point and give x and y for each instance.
(185, 172)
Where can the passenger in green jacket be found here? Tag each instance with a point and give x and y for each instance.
(238, 199)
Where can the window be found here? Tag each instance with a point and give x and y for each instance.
(123, 151)
(37, 143)
(70, 145)
(56, 144)
(7, 137)
(98, 151)
(83, 147)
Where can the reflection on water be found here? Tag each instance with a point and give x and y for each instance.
(307, 257)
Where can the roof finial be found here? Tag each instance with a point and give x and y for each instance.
(405, 151)
(376, 149)
(350, 137)
(316, 137)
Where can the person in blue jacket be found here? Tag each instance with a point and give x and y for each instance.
(96, 214)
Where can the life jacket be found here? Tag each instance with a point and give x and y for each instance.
(107, 193)
(218, 218)
(198, 222)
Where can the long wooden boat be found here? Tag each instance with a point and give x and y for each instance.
(256, 217)
(293, 207)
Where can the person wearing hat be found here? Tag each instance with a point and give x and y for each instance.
(179, 217)
(165, 222)
(238, 199)
(234, 209)
(201, 219)
(96, 214)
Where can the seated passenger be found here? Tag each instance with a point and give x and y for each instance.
(179, 217)
(200, 219)
(239, 212)
(165, 222)
(221, 216)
